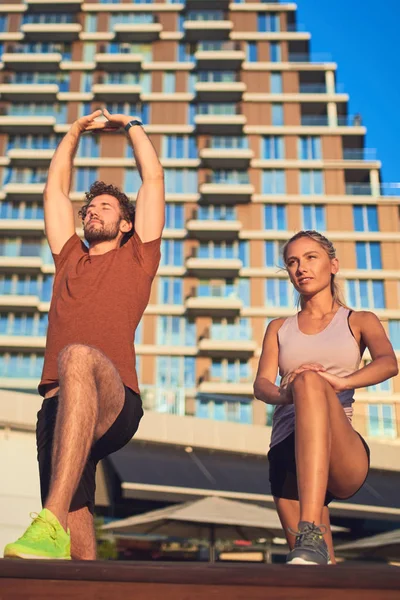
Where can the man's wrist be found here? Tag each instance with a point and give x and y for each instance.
(134, 122)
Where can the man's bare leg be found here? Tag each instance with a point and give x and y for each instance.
(83, 538)
(90, 398)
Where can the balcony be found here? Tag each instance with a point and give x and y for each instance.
(137, 32)
(233, 388)
(21, 264)
(31, 92)
(18, 226)
(57, 32)
(324, 121)
(368, 189)
(199, 30)
(209, 229)
(16, 61)
(201, 4)
(117, 92)
(212, 124)
(213, 91)
(313, 88)
(45, 5)
(13, 301)
(30, 191)
(359, 154)
(13, 124)
(227, 344)
(206, 267)
(31, 158)
(225, 55)
(213, 306)
(227, 192)
(215, 157)
(22, 342)
(110, 61)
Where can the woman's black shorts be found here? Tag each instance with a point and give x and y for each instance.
(119, 434)
(282, 470)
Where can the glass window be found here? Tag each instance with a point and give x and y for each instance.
(311, 183)
(273, 147)
(275, 52)
(276, 83)
(181, 181)
(179, 146)
(175, 371)
(172, 253)
(273, 254)
(176, 331)
(174, 216)
(381, 421)
(394, 333)
(277, 292)
(275, 217)
(170, 290)
(273, 181)
(268, 22)
(277, 114)
(84, 177)
(368, 255)
(313, 217)
(365, 218)
(365, 294)
(252, 52)
(169, 83)
(309, 147)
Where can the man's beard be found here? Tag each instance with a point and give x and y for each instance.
(104, 233)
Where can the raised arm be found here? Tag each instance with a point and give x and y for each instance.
(58, 212)
(150, 201)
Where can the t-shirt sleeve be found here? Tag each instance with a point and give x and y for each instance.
(147, 254)
(74, 243)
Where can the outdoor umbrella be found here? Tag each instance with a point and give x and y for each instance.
(211, 518)
(384, 545)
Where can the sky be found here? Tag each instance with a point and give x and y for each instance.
(362, 38)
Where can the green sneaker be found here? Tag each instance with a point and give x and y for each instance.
(44, 538)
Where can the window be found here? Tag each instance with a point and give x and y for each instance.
(234, 177)
(172, 253)
(231, 329)
(275, 217)
(365, 218)
(277, 292)
(251, 52)
(170, 290)
(181, 181)
(216, 108)
(276, 83)
(3, 23)
(230, 370)
(91, 23)
(313, 217)
(221, 409)
(174, 218)
(309, 147)
(364, 293)
(311, 183)
(273, 253)
(243, 291)
(176, 331)
(272, 147)
(275, 52)
(185, 53)
(89, 146)
(268, 22)
(394, 333)
(277, 114)
(179, 146)
(169, 86)
(175, 371)
(224, 250)
(273, 182)
(21, 365)
(132, 181)
(382, 421)
(228, 142)
(216, 212)
(368, 255)
(84, 178)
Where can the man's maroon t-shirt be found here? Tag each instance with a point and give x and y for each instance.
(99, 301)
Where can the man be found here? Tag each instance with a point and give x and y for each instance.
(92, 405)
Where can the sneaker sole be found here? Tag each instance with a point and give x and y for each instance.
(36, 557)
(302, 561)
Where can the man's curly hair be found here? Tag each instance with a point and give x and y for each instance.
(98, 188)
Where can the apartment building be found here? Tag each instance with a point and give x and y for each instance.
(255, 137)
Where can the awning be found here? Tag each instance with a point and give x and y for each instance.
(177, 474)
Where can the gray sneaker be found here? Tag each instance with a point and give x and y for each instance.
(310, 547)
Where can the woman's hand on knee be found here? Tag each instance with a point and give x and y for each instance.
(287, 381)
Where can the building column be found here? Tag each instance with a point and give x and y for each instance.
(332, 114)
(330, 82)
(375, 183)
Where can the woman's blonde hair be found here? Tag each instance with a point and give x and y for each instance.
(331, 252)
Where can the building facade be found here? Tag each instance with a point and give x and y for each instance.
(256, 141)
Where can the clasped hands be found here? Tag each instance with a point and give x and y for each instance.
(111, 123)
(285, 389)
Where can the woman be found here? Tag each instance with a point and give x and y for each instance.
(315, 454)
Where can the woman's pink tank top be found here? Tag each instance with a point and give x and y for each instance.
(334, 347)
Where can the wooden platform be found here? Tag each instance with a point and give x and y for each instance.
(52, 580)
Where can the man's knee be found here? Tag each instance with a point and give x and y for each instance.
(75, 355)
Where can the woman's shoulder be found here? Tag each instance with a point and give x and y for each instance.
(362, 318)
(275, 325)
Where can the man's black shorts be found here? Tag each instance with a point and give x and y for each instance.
(119, 434)
(282, 470)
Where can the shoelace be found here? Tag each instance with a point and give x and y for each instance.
(309, 535)
(36, 531)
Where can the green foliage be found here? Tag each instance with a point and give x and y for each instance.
(106, 545)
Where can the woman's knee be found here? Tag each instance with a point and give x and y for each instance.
(308, 379)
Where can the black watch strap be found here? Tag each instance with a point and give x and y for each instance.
(132, 124)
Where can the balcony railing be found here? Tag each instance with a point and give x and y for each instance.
(229, 333)
(216, 46)
(240, 179)
(161, 400)
(359, 153)
(312, 88)
(309, 57)
(368, 189)
(206, 214)
(239, 143)
(323, 120)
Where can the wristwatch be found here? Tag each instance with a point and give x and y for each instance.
(132, 124)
